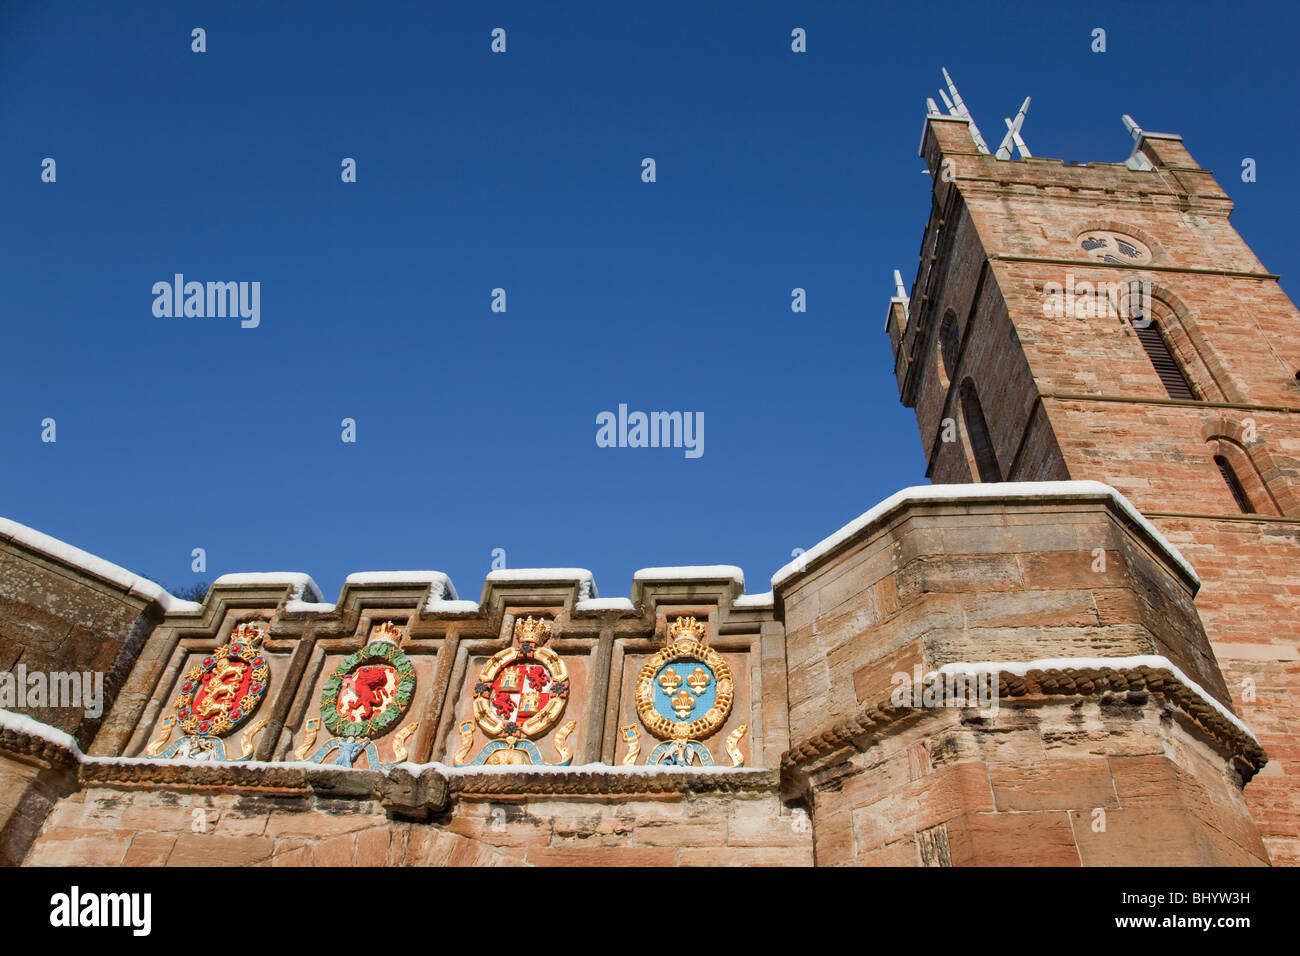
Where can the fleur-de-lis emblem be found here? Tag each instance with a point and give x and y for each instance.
(699, 680)
(669, 680)
(683, 703)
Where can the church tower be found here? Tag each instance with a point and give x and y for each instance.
(1106, 321)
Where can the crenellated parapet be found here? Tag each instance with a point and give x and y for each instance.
(539, 671)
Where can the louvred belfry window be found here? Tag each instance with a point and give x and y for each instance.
(1230, 479)
(1162, 359)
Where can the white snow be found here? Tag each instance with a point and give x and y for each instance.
(21, 723)
(601, 768)
(451, 607)
(586, 582)
(605, 604)
(308, 607)
(754, 600)
(442, 589)
(1021, 490)
(1021, 668)
(698, 572)
(302, 587)
(61, 551)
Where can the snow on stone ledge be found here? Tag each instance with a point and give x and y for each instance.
(1015, 490)
(639, 770)
(441, 588)
(754, 600)
(1156, 661)
(22, 724)
(451, 607)
(61, 551)
(302, 587)
(699, 572)
(308, 607)
(586, 582)
(605, 604)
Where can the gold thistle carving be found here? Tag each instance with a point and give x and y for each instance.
(631, 737)
(164, 734)
(249, 741)
(399, 741)
(303, 750)
(561, 740)
(733, 751)
(466, 742)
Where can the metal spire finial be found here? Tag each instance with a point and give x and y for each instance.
(957, 107)
(1013, 135)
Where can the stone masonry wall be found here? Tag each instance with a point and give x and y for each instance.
(1000, 232)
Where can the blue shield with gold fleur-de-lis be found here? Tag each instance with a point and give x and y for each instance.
(684, 690)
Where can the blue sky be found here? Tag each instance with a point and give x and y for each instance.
(476, 430)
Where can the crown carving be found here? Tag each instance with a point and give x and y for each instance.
(687, 628)
(389, 632)
(533, 630)
(250, 632)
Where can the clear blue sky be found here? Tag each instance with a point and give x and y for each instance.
(476, 430)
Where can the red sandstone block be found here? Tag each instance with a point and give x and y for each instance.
(1012, 839)
(601, 856)
(337, 851)
(372, 847)
(1054, 784)
(745, 856)
(208, 849)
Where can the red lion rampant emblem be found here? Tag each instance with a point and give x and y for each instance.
(364, 691)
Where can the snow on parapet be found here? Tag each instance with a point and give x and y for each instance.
(441, 588)
(763, 600)
(1015, 490)
(61, 551)
(302, 587)
(451, 607)
(605, 604)
(699, 572)
(586, 582)
(309, 607)
(22, 724)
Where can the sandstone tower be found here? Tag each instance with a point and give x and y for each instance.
(1028, 357)
(696, 722)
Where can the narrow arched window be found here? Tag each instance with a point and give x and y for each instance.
(948, 343)
(1230, 479)
(1162, 359)
(977, 432)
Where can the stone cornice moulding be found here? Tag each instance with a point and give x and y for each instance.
(1046, 678)
(431, 783)
(1010, 492)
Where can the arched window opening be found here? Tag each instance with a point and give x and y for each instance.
(1230, 479)
(977, 432)
(949, 342)
(1162, 359)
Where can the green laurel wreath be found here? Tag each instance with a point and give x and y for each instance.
(376, 726)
